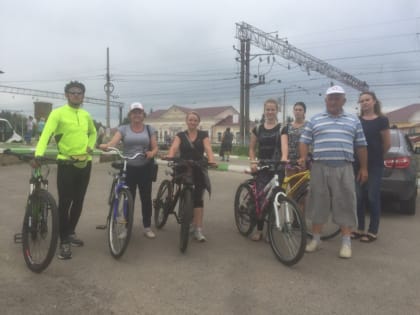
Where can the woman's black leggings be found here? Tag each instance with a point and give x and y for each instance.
(140, 176)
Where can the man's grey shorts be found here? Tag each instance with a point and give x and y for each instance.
(332, 189)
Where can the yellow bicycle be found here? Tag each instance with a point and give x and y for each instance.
(297, 188)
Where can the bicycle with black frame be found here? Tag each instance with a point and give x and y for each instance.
(40, 228)
(179, 188)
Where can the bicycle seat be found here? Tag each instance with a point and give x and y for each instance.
(118, 165)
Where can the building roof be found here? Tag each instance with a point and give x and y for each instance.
(227, 121)
(202, 111)
(403, 114)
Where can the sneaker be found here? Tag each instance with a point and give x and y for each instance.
(345, 251)
(198, 235)
(65, 251)
(149, 233)
(192, 228)
(257, 236)
(122, 234)
(312, 246)
(75, 241)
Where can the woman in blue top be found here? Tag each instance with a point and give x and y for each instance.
(138, 137)
(376, 129)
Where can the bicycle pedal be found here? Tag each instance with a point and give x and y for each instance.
(18, 238)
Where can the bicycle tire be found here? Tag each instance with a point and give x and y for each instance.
(162, 202)
(329, 230)
(185, 214)
(289, 240)
(244, 208)
(120, 222)
(40, 220)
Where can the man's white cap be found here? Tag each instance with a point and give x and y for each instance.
(336, 89)
(136, 105)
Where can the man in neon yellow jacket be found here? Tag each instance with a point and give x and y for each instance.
(75, 136)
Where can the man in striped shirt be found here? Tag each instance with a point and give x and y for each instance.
(335, 136)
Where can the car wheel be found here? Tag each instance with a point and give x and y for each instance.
(409, 206)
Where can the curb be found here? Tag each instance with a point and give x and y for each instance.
(224, 167)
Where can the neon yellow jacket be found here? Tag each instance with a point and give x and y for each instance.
(73, 130)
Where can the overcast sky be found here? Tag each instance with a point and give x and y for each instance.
(180, 52)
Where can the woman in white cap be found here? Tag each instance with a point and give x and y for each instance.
(138, 137)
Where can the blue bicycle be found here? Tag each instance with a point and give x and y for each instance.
(121, 211)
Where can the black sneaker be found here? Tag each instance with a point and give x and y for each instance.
(75, 241)
(65, 251)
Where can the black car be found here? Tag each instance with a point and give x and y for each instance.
(399, 181)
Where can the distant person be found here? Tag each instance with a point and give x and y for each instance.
(226, 147)
(335, 136)
(40, 126)
(101, 134)
(29, 129)
(376, 128)
(75, 136)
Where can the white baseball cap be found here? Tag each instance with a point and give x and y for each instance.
(336, 89)
(136, 105)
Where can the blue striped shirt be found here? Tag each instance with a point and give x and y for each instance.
(334, 137)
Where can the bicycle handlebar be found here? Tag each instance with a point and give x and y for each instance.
(125, 157)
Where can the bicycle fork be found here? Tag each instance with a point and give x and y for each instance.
(287, 216)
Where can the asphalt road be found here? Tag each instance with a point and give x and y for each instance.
(227, 275)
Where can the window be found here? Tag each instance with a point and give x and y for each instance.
(219, 136)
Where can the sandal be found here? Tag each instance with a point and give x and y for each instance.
(368, 238)
(356, 235)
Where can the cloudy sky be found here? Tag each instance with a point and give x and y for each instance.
(180, 52)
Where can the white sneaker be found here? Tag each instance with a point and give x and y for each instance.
(312, 246)
(123, 233)
(199, 236)
(345, 251)
(149, 233)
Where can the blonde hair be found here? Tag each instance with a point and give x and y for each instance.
(272, 101)
(193, 113)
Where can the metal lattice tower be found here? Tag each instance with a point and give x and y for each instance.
(280, 47)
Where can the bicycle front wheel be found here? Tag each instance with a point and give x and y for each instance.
(40, 230)
(329, 229)
(244, 208)
(120, 223)
(186, 209)
(286, 231)
(162, 203)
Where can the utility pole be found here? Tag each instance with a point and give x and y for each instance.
(247, 88)
(242, 94)
(284, 106)
(109, 88)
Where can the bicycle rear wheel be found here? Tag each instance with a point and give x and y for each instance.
(287, 236)
(185, 215)
(40, 230)
(120, 224)
(329, 229)
(162, 203)
(244, 208)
